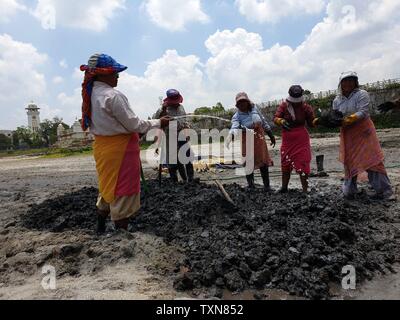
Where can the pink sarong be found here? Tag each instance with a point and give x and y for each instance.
(261, 154)
(296, 150)
(360, 149)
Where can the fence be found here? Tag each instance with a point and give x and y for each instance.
(374, 86)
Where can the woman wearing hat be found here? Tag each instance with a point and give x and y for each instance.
(249, 118)
(173, 108)
(293, 115)
(106, 111)
(360, 150)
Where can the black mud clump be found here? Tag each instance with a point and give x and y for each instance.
(294, 242)
(72, 211)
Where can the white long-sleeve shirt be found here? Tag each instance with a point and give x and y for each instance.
(357, 103)
(112, 114)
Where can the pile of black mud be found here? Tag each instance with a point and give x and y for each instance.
(294, 242)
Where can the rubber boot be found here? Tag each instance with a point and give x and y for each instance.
(101, 221)
(182, 172)
(122, 224)
(265, 178)
(320, 163)
(250, 181)
(173, 173)
(190, 171)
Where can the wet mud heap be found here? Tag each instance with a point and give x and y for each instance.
(292, 242)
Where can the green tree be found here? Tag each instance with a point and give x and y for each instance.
(15, 140)
(5, 142)
(24, 135)
(48, 130)
(202, 111)
(218, 108)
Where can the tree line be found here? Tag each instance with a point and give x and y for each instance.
(23, 137)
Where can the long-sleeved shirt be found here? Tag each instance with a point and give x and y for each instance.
(357, 103)
(174, 112)
(248, 120)
(302, 114)
(112, 114)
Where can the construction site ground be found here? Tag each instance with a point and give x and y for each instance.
(141, 270)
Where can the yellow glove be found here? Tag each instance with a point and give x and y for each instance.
(348, 121)
(315, 122)
(283, 123)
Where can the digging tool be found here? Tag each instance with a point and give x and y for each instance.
(160, 175)
(224, 193)
(144, 182)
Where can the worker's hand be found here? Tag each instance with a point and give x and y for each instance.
(350, 120)
(272, 138)
(228, 141)
(165, 122)
(283, 123)
(316, 122)
(386, 107)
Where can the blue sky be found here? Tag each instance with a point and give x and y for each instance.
(258, 52)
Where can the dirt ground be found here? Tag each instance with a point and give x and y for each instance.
(127, 266)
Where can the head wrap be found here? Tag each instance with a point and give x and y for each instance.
(99, 64)
(296, 94)
(348, 75)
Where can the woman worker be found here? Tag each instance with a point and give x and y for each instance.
(292, 115)
(360, 150)
(250, 120)
(107, 112)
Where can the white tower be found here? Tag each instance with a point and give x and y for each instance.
(33, 117)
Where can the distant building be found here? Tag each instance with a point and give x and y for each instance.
(74, 137)
(33, 117)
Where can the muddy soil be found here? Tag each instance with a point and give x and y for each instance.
(294, 242)
(210, 237)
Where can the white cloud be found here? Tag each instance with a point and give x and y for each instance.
(20, 78)
(173, 15)
(81, 14)
(363, 38)
(71, 105)
(272, 11)
(9, 8)
(367, 43)
(63, 64)
(58, 80)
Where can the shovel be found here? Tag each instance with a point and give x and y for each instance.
(224, 193)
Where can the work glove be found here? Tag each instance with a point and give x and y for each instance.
(350, 120)
(283, 123)
(386, 107)
(272, 138)
(316, 122)
(228, 141)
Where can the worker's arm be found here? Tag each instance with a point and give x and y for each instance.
(279, 117)
(310, 116)
(265, 123)
(121, 110)
(363, 104)
(183, 121)
(235, 125)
